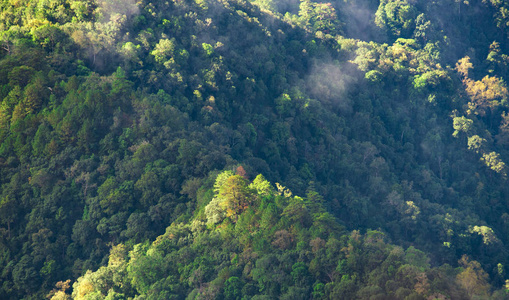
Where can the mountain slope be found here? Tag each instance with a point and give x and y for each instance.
(252, 241)
(115, 113)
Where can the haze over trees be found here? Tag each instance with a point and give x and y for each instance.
(261, 149)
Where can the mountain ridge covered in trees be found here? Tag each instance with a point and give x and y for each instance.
(386, 121)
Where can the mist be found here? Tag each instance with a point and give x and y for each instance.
(359, 21)
(110, 9)
(329, 82)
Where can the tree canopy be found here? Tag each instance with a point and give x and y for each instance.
(254, 149)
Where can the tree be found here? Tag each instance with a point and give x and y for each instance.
(233, 288)
(486, 95)
(297, 211)
(493, 161)
(8, 210)
(282, 239)
(488, 235)
(59, 292)
(51, 36)
(214, 212)
(150, 186)
(476, 143)
(20, 76)
(319, 17)
(24, 274)
(461, 124)
(496, 60)
(473, 278)
(232, 196)
(35, 95)
(262, 186)
(7, 108)
(235, 196)
(241, 172)
(417, 258)
(164, 52)
(431, 81)
(503, 133)
(41, 139)
(300, 274)
(463, 66)
(221, 180)
(325, 19)
(423, 29)
(114, 197)
(397, 17)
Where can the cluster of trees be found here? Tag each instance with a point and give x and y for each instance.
(115, 117)
(267, 244)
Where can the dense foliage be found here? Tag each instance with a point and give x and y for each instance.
(117, 119)
(271, 245)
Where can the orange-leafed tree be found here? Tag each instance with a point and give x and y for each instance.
(473, 278)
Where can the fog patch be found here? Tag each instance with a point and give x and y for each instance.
(329, 83)
(358, 18)
(113, 9)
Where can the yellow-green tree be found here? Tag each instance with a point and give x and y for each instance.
(233, 196)
(485, 95)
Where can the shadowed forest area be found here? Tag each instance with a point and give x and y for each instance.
(265, 149)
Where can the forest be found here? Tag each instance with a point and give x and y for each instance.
(254, 149)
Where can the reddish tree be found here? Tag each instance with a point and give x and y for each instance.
(241, 172)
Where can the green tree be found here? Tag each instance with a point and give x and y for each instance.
(233, 288)
(262, 186)
(297, 211)
(397, 17)
(8, 211)
(164, 52)
(461, 124)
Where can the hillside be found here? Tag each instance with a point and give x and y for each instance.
(389, 118)
(253, 241)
